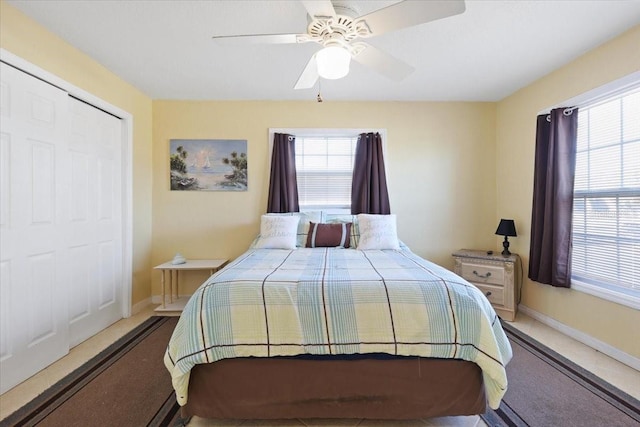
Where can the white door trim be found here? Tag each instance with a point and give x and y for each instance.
(127, 160)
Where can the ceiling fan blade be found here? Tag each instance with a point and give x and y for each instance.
(261, 39)
(309, 75)
(409, 13)
(382, 62)
(319, 7)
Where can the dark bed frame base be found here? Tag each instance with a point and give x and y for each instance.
(281, 388)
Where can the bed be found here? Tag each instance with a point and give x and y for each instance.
(335, 332)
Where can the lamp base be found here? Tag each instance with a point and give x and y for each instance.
(505, 245)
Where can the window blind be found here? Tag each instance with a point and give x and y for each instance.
(606, 212)
(324, 167)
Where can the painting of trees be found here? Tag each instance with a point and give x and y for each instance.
(178, 166)
(208, 164)
(238, 177)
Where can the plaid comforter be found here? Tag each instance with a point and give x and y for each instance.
(272, 302)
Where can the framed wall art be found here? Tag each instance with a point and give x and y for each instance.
(208, 164)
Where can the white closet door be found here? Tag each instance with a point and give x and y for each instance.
(95, 229)
(33, 216)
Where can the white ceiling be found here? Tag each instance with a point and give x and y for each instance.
(165, 49)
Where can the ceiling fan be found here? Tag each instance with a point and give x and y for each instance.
(337, 27)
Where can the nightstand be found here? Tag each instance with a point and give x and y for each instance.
(212, 265)
(497, 276)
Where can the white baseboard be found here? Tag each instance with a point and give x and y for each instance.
(138, 307)
(586, 339)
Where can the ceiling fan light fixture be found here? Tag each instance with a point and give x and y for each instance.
(333, 62)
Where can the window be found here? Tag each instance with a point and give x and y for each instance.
(324, 165)
(606, 213)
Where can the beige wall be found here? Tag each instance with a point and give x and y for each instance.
(23, 37)
(611, 323)
(440, 160)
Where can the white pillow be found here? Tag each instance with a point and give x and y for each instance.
(377, 232)
(303, 225)
(278, 232)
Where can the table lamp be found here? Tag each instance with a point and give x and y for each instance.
(506, 228)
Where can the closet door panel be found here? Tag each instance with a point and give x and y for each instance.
(96, 226)
(79, 305)
(33, 245)
(6, 345)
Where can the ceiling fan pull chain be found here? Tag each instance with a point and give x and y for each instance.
(319, 97)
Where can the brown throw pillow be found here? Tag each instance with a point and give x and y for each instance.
(329, 235)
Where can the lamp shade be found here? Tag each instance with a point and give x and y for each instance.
(333, 62)
(507, 227)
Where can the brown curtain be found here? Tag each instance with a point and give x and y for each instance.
(369, 185)
(283, 184)
(551, 218)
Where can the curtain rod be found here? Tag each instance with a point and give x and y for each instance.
(567, 112)
(601, 93)
(604, 97)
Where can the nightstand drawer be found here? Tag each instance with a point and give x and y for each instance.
(479, 273)
(495, 294)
